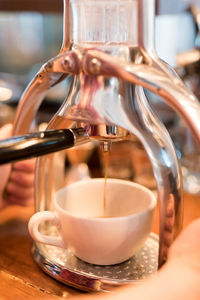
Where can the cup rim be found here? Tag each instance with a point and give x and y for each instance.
(151, 206)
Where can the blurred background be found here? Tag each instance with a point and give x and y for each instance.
(31, 33)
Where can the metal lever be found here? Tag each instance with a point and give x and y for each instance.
(156, 80)
(40, 143)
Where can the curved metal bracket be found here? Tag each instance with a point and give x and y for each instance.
(156, 80)
(50, 74)
(162, 154)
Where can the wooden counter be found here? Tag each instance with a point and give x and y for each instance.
(20, 277)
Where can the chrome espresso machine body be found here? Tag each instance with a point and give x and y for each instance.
(108, 49)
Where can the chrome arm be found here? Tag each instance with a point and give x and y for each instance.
(49, 75)
(146, 42)
(31, 100)
(66, 44)
(162, 154)
(146, 16)
(172, 90)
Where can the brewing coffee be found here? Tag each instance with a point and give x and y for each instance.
(106, 158)
(89, 237)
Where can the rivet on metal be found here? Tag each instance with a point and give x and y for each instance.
(95, 66)
(49, 65)
(68, 64)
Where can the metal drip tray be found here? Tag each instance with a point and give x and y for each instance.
(67, 268)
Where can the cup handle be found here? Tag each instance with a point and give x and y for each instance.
(34, 223)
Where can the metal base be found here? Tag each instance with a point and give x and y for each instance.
(62, 265)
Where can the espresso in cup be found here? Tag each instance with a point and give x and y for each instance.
(93, 234)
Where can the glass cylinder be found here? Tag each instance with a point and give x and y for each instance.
(107, 22)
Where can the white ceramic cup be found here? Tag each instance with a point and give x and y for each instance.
(78, 214)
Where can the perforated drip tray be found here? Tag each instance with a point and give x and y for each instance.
(62, 265)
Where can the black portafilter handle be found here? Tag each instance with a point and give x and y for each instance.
(40, 143)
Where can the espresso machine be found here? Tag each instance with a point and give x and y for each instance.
(108, 52)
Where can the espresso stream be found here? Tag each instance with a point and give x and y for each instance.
(106, 158)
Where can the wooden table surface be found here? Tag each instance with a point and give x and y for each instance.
(20, 277)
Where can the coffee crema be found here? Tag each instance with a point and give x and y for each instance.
(103, 217)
